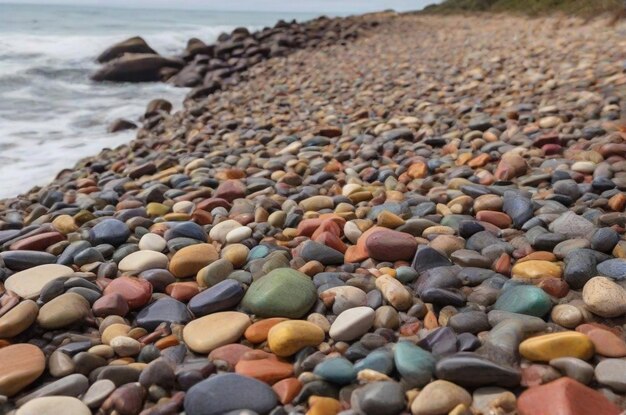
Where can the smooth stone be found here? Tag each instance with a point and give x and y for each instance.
(565, 396)
(63, 311)
(315, 251)
(191, 259)
(613, 268)
(604, 297)
(518, 207)
(390, 245)
(29, 283)
(18, 319)
(394, 292)
(60, 364)
(336, 370)
(574, 368)
(218, 232)
(469, 322)
(572, 226)
(379, 360)
(605, 342)
(120, 375)
(224, 392)
(189, 230)
(158, 372)
(546, 347)
(427, 258)
(71, 385)
(110, 304)
(524, 299)
(536, 269)
(21, 260)
(109, 231)
(471, 370)
(124, 346)
(214, 273)
(379, 398)
(604, 240)
(210, 332)
(258, 331)
(238, 234)
(283, 292)
(440, 397)
(580, 267)
(222, 296)
(352, 323)
(97, 393)
(415, 365)
(152, 242)
(20, 365)
(612, 373)
(143, 260)
(289, 337)
(493, 399)
(344, 298)
(136, 291)
(50, 405)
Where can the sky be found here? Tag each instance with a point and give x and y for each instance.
(315, 6)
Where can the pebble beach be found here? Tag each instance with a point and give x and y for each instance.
(385, 214)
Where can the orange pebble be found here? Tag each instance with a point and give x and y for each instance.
(257, 332)
(287, 389)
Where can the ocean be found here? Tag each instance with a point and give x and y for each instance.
(51, 113)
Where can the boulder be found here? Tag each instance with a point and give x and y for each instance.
(137, 67)
(133, 45)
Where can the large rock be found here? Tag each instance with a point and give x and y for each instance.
(132, 45)
(136, 67)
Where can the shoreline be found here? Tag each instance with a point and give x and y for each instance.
(387, 226)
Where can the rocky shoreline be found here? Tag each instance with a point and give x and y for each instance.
(428, 219)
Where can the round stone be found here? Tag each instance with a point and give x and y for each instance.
(152, 242)
(604, 297)
(224, 392)
(109, 231)
(191, 259)
(63, 311)
(51, 405)
(210, 332)
(536, 269)
(28, 283)
(143, 260)
(524, 299)
(18, 319)
(20, 365)
(284, 292)
(289, 337)
(440, 397)
(136, 291)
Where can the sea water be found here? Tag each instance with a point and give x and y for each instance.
(51, 113)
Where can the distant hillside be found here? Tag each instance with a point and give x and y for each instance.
(587, 8)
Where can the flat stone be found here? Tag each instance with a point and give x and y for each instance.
(471, 370)
(50, 405)
(440, 397)
(315, 251)
(28, 283)
(524, 299)
(143, 260)
(223, 391)
(18, 319)
(20, 365)
(63, 311)
(289, 337)
(97, 393)
(71, 385)
(209, 332)
(352, 323)
(21, 260)
(284, 292)
(605, 342)
(580, 267)
(552, 346)
(380, 360)
(427, 258)
(565, 396)
(222, 296)
(266, 370)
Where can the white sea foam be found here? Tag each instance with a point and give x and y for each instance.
(51, 114)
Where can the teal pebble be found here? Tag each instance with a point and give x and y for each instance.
(379, 360)
(336, 370)
(524, 299)
(415, 364)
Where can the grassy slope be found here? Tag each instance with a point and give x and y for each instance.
(586, 8)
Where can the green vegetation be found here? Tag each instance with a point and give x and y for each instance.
(586, 8)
